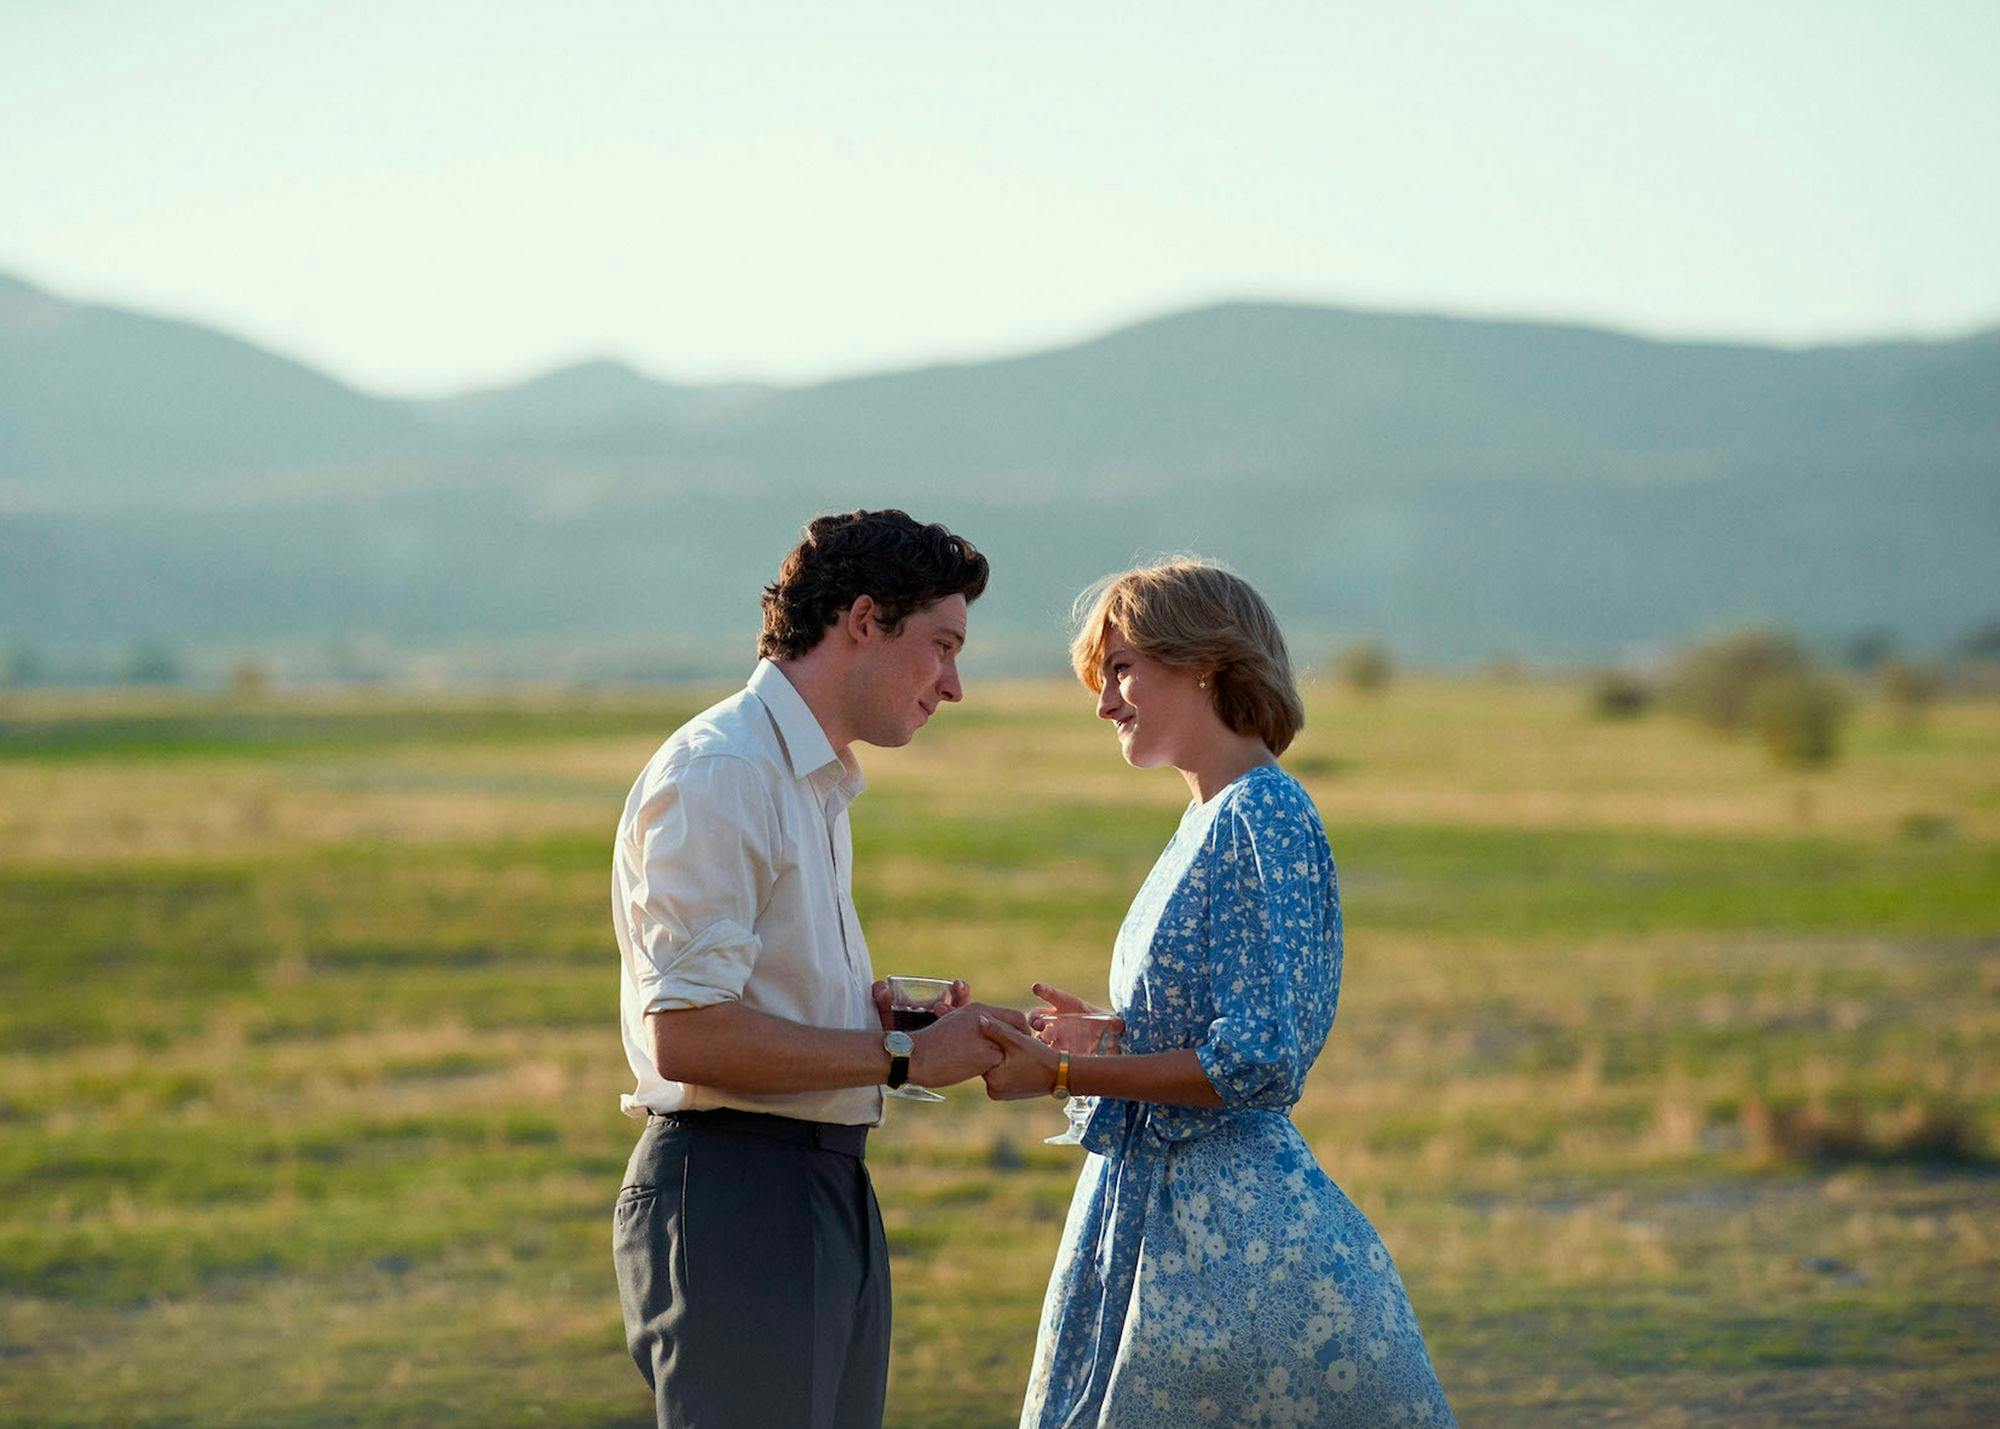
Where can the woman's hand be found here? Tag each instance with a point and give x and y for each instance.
(1055, 1000)
(1027, 1068)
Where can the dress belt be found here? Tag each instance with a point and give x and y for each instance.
(820, 1135)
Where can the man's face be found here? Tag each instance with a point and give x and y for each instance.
(902, 678)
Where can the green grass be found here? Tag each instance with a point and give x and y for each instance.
(309, 1065)
(268, 730)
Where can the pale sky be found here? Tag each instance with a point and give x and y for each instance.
(424, 197)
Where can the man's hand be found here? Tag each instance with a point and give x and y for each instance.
(959, 995)
(1025, 1067)
(953, 1049)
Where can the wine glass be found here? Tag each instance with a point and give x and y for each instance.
(1088, 1034)
(915, 1003)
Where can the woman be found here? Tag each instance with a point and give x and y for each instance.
(1210, 1272)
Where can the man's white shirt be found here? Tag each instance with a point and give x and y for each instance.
(733, 880)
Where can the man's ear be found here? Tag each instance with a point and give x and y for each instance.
(858, 620)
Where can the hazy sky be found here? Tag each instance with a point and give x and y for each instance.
(425, 196)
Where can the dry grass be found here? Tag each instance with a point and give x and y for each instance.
(346, 1151)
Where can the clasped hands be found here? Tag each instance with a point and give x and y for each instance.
(1014, 1052)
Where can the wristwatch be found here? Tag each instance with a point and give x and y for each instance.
(899, 1047)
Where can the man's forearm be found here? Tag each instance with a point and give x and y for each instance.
(730, 1045)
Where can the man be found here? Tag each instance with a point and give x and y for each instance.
(751, 1262)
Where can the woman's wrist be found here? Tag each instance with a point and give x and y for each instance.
(1173, 1078)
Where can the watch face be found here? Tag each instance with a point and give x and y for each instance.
(898, 1044)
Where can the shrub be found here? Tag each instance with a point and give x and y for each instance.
(248, 680)
(150, 662)
(1799, 716)
(1924, 826)
(1365, 667)
(20, 666)
(1982, 642)
(1868, 650)
(1910, 689)
(1923, 1130)
(1716, 681)
(1619, 694)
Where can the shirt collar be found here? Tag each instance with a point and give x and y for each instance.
(806, 746)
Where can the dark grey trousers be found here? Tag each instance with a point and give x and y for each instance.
(754, 1273)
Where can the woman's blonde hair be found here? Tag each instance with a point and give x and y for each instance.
(1193, 614)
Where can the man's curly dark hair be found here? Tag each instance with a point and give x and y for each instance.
(901, 564)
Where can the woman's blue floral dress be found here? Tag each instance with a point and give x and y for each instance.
(1210, 1272)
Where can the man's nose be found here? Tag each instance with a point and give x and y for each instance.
(949, 688)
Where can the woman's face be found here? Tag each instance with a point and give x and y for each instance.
(1161, 713)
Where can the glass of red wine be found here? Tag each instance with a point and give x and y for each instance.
(914, 1004)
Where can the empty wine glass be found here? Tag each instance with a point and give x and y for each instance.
(1085, 1034)
(915, 1003)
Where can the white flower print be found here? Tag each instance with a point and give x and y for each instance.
(1256, 1252)
(1341, 1375)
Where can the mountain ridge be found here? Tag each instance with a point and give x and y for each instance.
(1461, 487)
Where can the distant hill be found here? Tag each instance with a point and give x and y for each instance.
(1461, 489)
(583, 403)
(96, 398)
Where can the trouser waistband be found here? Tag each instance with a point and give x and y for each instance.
(820, 1135)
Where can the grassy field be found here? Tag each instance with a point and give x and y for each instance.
(1671, 1080)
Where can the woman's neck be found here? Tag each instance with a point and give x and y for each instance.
(1219, 767)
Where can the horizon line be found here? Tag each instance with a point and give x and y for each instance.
(1002, 353)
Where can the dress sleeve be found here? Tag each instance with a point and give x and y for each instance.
(1262, 892)
(707, 856)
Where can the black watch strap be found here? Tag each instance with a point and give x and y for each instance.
(899, 1047)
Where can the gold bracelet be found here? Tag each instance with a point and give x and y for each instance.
(1061, 1088)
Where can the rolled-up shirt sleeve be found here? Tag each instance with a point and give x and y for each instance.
(705, 847)
(1257, 906)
